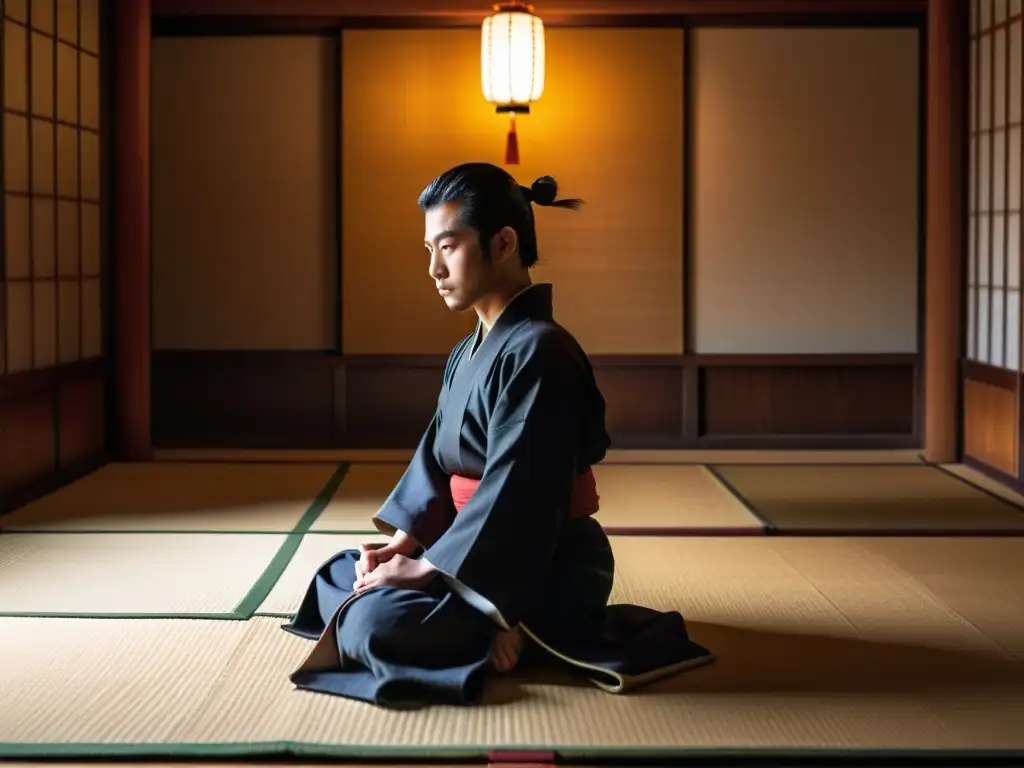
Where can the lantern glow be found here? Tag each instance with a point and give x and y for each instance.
(512, 56)
(512, 64)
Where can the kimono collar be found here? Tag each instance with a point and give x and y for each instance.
(535, 302)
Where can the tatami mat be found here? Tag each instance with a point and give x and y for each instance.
(109, 681)
(822, 644)
(360, 496)
(767, 690)
(875, 500)
(979, 578)
(314, 550)
(164, 496)
(131, 574)
(976, 478)
(667, 499)
(634, 499)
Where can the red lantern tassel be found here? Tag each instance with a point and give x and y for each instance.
(512, 143)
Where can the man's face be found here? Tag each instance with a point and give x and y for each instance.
(458, 268)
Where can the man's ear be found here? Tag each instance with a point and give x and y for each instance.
(504, 244)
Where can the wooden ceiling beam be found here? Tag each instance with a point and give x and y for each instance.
(552, 11)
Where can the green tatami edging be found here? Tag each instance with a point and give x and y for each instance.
(265, 583)
(494, 753)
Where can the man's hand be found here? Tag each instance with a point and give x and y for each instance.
(372, 555)
(398, 571)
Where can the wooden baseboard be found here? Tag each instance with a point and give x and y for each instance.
(52, 429)
(320, 400)
(45, 484)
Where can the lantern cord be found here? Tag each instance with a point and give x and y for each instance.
(512, 142)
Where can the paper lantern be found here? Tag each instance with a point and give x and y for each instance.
(512, 64)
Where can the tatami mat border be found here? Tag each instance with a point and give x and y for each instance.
(494, 754)
(977, 486)
(263, 586)
(767, 527)
(246, 607)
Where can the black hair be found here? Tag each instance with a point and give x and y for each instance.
(491, 200)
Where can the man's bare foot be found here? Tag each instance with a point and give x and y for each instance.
(507, 648)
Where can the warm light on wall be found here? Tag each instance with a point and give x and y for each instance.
(512, 64)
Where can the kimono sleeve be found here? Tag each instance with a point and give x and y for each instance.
(501, 542)
(421, 502)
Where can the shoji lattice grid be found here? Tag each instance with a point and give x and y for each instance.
(50, 307)
(996, 170)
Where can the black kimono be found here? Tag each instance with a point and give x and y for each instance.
(520, 410)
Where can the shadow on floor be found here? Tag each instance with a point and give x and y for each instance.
(762, 662)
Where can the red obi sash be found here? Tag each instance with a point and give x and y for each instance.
(585, 501)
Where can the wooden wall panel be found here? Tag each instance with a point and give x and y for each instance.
(990, 417)
(251, 399)
(82, 418)
(409, 386)
(274, 400)
(244, 203)
(621, 292)
(52, 429)
(27, 440)
(606, 129)
(802, 399)
(617, 265)
(403, 123)
(645, 403)
(805, 230)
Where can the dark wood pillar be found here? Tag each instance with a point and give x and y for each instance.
(947, 43)
(131, 228)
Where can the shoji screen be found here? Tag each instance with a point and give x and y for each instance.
(50, 297)
(994, 247)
